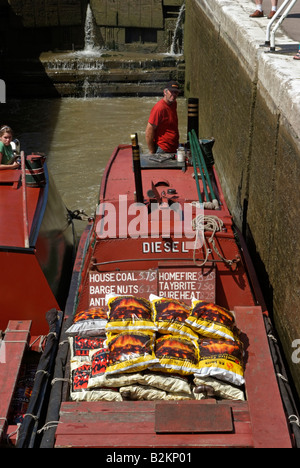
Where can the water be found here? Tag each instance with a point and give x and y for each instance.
(90, 43)
(85, 59)
(177, 45)
(78, 137)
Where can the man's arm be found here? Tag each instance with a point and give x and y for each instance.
(150, 134)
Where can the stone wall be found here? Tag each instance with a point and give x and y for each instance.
(28, 27)
(122, 24)
(47, 13)
(250, 102)
(136, 24)
(138, 13)
(132, 13)
(38, 39)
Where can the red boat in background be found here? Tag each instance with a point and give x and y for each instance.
(163, 230)
(36, 245)
(37, 252)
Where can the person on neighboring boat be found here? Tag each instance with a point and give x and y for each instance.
(259, 9)
(162, 134)
(7, 158)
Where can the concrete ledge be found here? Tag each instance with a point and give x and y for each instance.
(277, 74)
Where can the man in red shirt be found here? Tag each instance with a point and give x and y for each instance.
(162, 134)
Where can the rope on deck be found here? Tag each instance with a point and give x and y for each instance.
(213, 224)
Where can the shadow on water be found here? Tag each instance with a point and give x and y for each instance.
(25, 78)
(78, 137)
(20, 49)
(33, 122)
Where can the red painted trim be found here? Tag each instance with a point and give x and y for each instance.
(268, 419)
(12, 349)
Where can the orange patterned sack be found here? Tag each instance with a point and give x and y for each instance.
(176, 354)
(128, 312)
(89, 322)
(170, 316)
(80, 373)
(222, 359)
(212, 321)
(130, 351)
(81, 346)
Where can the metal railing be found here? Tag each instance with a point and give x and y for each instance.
(285, 9)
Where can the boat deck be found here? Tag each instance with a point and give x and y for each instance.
(162, 243)
(17, 342)
(256, 422)
(171, 175)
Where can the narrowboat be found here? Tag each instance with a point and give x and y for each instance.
(37, 253)
(165, 339)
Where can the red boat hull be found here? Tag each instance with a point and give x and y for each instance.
(34, 278)
(111, 261)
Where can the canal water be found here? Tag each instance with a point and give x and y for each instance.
(79, 135)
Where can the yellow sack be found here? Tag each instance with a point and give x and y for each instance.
(176, 354)
(212, 321)
(170, 317)
(221, 359)
(129, 313)
(130, 351)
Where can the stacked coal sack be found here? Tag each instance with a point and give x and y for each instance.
(208, 348)
(221, 365)
(156, 349)
(87, 335)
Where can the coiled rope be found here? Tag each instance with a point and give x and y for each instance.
(213, 224)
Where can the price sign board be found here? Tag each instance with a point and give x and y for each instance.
(175, 283)
(139, 283)
(183, 284)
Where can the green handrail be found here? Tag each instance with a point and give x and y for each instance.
(195, 169)
(196, 162)
(202, 163)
